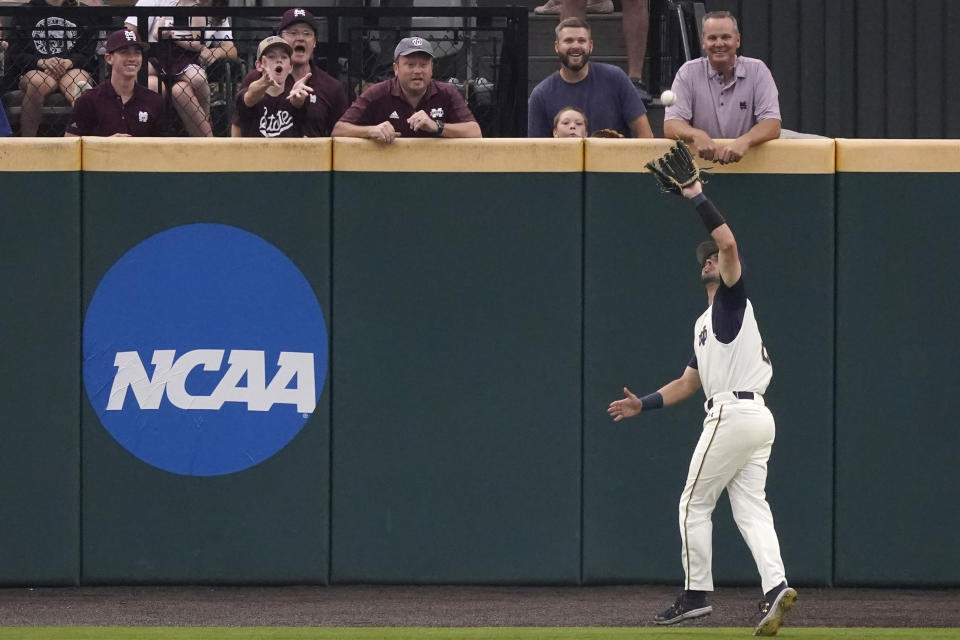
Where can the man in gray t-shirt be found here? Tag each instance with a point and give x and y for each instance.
(602, 91)
(723, 95)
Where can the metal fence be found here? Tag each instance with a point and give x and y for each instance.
(481, 51)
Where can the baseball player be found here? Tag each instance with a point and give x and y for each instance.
(732, 365)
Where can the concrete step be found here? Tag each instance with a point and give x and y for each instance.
(605, 28)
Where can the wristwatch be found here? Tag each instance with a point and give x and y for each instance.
(439, 132)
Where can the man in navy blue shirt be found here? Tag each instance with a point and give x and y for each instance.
(602, 91)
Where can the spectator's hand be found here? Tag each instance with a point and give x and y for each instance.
(266, 81)
(298, 94)
(55, 67)
(42, 64)
(383, 132)
(3, 44)
(706, 147)
(732, 152)
(121, 135)
(420, 121)
(207, 57)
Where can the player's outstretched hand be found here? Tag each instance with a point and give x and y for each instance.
(626, 408)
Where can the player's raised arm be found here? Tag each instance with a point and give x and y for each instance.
(719, 231)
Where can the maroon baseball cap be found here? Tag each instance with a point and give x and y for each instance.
(293, 16)
(124, 38)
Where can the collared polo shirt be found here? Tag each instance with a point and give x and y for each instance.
(385, 102)
(101, 112)
(724, 109)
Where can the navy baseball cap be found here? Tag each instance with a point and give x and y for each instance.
(413, 44)
(706, 249)
(124, 38)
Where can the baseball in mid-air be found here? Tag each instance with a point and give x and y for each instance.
(667, 98)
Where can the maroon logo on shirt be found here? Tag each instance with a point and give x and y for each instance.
(743, 105)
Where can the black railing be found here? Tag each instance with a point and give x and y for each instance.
(481, 50)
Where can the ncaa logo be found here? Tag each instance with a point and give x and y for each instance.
(204, 350)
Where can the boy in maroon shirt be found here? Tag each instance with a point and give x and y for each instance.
(264, 108)
(120, 107)
(411, 104)
(329, 98)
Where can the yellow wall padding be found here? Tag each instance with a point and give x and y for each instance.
(813, 156)
(211, 155)
(467, 155)
(40, 154)
(898, 156)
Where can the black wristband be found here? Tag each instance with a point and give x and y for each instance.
(652, 401)
(439, 132)
(709, 214)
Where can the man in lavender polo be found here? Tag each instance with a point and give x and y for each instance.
(328, 100)
(120, 107)
(723, 95)
(411, 104)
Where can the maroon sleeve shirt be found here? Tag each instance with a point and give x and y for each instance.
(101, 112)
(385, 102)
(325, 105)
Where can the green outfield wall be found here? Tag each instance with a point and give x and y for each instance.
(39, 362)
(268, 523)
(481, 302)
(897, 441)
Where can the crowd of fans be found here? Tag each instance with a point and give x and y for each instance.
(95, 76)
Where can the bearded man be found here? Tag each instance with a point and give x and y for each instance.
(602, 91)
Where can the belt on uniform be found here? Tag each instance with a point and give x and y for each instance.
(740, 395)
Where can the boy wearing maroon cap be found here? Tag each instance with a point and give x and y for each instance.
(120, 107)
(328, 101)
(264, 108)
(411, 104)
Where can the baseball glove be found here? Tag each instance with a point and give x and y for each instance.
(606, 133)
(676, 169)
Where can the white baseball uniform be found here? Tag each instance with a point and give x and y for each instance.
(733, 450)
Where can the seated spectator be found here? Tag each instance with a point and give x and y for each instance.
(722, 95)
(602, 91)
(51, 54)
(410, 104)
(328, 100)
(120, 106)
(264, 107)
(635, 26)
(179, 58)
(570, 122)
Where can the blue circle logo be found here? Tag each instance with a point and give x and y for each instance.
(204, 350)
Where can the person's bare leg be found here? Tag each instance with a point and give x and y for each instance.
(574, 9)
(72, 84)
(186, 104)
(36, 86)
(636, 25)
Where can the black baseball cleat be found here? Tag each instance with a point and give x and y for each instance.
(774, 607)
(687, 607)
